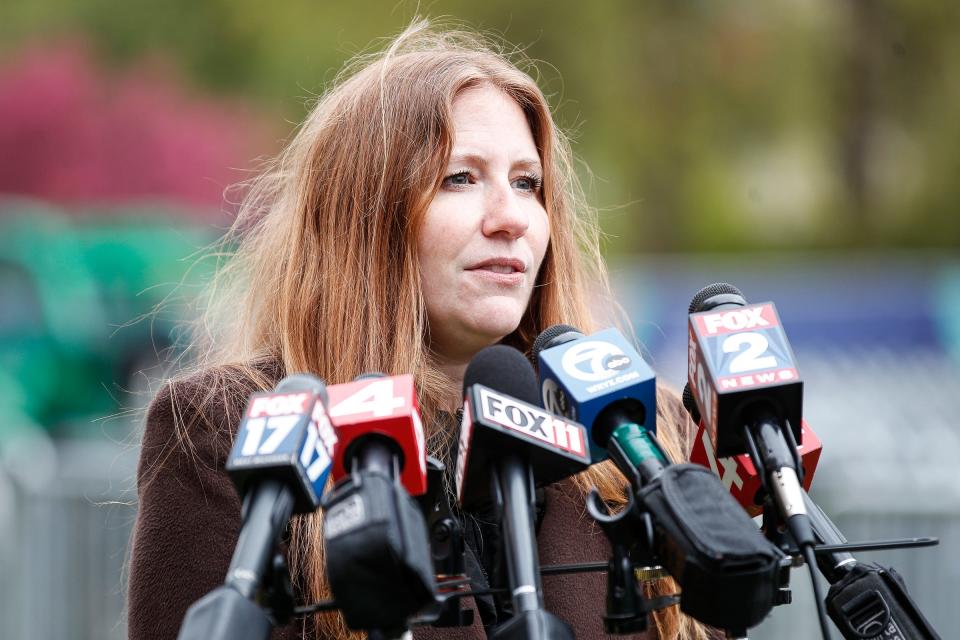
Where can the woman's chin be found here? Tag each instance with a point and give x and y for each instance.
(476, 324)
(495, 319)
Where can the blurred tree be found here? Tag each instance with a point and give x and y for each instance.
(75, 136)
(708, 126)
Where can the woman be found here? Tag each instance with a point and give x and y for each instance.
(425, 209)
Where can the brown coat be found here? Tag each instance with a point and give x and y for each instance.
(189, 519)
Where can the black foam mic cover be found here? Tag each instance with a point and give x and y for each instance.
(503, 369)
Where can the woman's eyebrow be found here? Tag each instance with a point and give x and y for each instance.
(468, 157)
(474, 158)
(529, 164)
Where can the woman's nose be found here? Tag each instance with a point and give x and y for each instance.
(504, 213)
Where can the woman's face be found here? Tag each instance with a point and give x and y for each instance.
(485, 233)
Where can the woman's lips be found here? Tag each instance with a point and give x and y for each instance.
(509, 271)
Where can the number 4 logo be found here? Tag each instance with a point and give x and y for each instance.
(375, 398)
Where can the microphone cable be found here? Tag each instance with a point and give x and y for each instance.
(810, 558)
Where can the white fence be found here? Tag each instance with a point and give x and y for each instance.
(889, 469)
(66, 512)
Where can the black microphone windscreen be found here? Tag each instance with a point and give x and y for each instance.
(547, 337)
(690, 404)
(504, 369)
(302, 382)
(702, 300)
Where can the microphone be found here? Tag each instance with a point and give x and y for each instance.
(382, 408)
(591, 375)
(507, 446)
(737, 473)
(749, 393)
(377, 551)
(286, 435)
(727, 579)
(494, 421)
(279, 462)
(742, 374)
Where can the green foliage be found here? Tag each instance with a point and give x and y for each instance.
(708, 126)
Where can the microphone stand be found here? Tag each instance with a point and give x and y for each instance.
(512, 487)
(628, 531)
(639, 457)
(447, 548)
(631, 532)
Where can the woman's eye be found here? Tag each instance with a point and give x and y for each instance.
(528, 183)
(457, 179)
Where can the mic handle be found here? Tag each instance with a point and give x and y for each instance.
(637, 454)
(770, 452)
(530, 621)
(229, 611)
(375, 454)
(834, 566)
(516, 488)
(225, 614)
(268, 511)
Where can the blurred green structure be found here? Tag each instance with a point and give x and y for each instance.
(77, 321)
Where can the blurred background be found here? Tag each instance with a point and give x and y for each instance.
(807, 151)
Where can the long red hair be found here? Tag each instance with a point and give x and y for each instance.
(319, 271)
